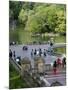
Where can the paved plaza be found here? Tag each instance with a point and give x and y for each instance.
(49, 59)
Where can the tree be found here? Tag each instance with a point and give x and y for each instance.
(15, 7)
(39, 18)
(43, 20)
(61, 22)
(50, 18)
(23, 16)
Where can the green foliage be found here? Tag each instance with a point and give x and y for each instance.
(15, 7)
(28, 5)
(61, 22)
(40, 17)
(23, 17)
(12, 71)
(17, 82)
(60, 50)
(14, 35)
(46, 19)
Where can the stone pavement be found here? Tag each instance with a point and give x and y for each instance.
(49, 58)
(49, 79)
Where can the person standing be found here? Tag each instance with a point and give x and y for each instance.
(14, 55)
(35, 52)
(51, 42)
(55, 67)
(44, 52)
(32, 53)
(40, 51)
(10, 53)
(64, 62)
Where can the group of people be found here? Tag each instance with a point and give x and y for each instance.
(58, 64)
(39, 52)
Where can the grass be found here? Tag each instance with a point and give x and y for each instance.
(60, 50)
(60, 39)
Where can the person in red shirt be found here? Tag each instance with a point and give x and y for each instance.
(59, 62)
